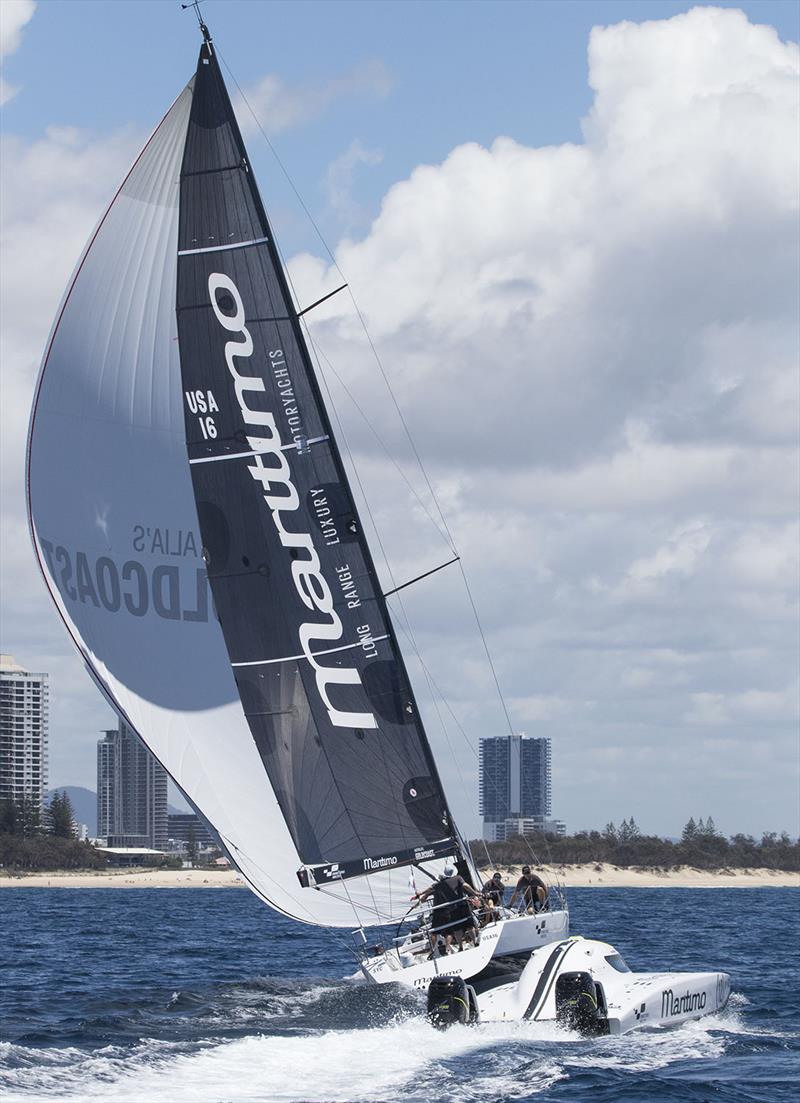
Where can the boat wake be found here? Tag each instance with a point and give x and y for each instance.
(273, 1040)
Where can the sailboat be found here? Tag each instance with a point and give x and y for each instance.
(194, 525)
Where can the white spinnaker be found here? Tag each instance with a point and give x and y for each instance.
(114, 526)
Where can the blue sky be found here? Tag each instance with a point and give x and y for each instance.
(455, 72)
(587, 305)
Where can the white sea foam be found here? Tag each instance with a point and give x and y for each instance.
(404, 1059)
(254, 1006)
(407, 1059)
(648, 1050)
(654, 1049)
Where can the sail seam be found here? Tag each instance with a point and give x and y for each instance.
(222, 248)
(292, 658)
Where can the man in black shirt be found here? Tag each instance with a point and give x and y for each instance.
(493, 890)
(532, 889)
(452, 915)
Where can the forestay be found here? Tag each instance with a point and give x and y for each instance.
(172, 449)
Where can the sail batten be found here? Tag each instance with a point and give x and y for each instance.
(222, 248)
(313, 654)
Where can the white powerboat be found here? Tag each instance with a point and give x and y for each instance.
(580, 983)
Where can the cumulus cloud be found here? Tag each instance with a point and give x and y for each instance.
(14, 14)
(279, 107)
(54, 190)
(595, 346)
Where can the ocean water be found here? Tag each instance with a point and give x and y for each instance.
(205, 995)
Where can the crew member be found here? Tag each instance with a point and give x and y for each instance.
(531, 889)
(493, 891)
(452, 915)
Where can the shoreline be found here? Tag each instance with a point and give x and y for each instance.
(588, 875)
(605, 875)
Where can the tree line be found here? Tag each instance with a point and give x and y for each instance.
(701, 846)
(36, 839)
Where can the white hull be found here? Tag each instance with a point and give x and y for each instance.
(585, 985)
(410, 962)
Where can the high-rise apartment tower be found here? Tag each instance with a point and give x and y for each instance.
(23, 733)
(514, 782)
(131, 792)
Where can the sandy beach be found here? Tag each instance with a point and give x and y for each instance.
(126, 879)
(570, 876)
(686, 877)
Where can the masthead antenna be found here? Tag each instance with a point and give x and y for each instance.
(195, 5)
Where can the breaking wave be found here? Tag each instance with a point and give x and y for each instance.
(380, 1048)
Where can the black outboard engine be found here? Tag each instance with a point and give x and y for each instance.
(580, 1005)
(451, 1000)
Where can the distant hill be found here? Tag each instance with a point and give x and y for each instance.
(84, 804)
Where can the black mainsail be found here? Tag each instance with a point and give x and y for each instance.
(193, 523)
(316, 661)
